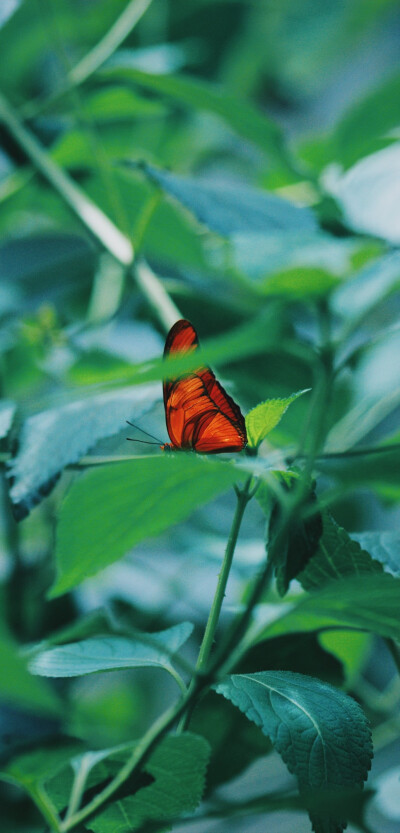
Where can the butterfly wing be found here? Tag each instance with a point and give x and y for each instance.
(199, 413)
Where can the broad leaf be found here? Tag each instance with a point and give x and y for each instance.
(383, 547)
(358, 296)
(53, 439)
(337, 556)
(368, 194)
(241, 116)
(110, 510)
(234, 742)
(18, 687)
(368, 602)
(7, 411)
(320, 732)
(232, 208)
(107, 653)
(265, 416)
(178, 767)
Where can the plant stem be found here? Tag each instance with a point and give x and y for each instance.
(46, 807)
(213, 619)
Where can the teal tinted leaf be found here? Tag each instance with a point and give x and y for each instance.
(262, 257)
(337, 556)
(107, 653)
(7, 8)
(368, 121)
(321, 733)
(369, 192)
(367, 602)
(110, 510)
(178, 767)
(265, 416)
(229, 209)
(359, 420)
(39, 258)
(358, 296)
(33, 768)
(18, 687)
(53, 439)
(235, 743)
(383, 547)
(7, 411)
(241, 116)
(301, 652)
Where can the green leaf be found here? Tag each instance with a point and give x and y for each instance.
(107, 653)
(241, 116)
(383, 546)
(234, 743)
(53, 439)
(299, 652)
(321, 734)
(178, 767)
(34, 768)
(7, 412)
(359, 295)
(337, 556)
(232, 208)
(110, 510)
(41, 259)
(18, 687)
(265, 416)
(367, 193)
(7, 9)
(368, 602)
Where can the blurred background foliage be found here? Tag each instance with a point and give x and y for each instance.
(299, 101)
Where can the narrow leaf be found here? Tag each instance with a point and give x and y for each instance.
(265, 416)
(110, 510)
(53, 439)
(231, 208)
(337, 556)
(321, 734)
(107, 653)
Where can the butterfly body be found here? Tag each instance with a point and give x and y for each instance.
(200, 415)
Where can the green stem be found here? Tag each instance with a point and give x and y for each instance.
(46, 807)
(213, 619)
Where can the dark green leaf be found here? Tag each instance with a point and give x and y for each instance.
(235, 743)
(231, 208)
(300, 652)
(178, 767)
(141, 498)
(53, 439)
(337, 556)
(18, 687)
(106, 653)
(320, 732)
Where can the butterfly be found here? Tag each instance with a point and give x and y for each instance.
(199, 414)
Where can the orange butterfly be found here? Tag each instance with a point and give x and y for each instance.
(200, 415)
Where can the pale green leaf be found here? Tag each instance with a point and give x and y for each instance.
(107, 653)
(265, 416)
(111, 509)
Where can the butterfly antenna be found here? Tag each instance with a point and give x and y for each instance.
(144, 432)
(144, 442)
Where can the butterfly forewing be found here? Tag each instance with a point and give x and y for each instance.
(199, 413)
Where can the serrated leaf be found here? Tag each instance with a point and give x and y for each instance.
(337, 556)
(235, 743)
(231, 208)
(178, 767)
(321, 733)
(241, 116)
(53, 439)
(107, 653)
(369, 602)
(383, 547)
(108, 511)
(265, 416)
(7, 411)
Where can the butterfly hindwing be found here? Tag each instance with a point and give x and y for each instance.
(199, 413)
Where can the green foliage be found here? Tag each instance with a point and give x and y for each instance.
(302, 716)
(143, 498)
(107, 653)
(265, 416)
(226, 163)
